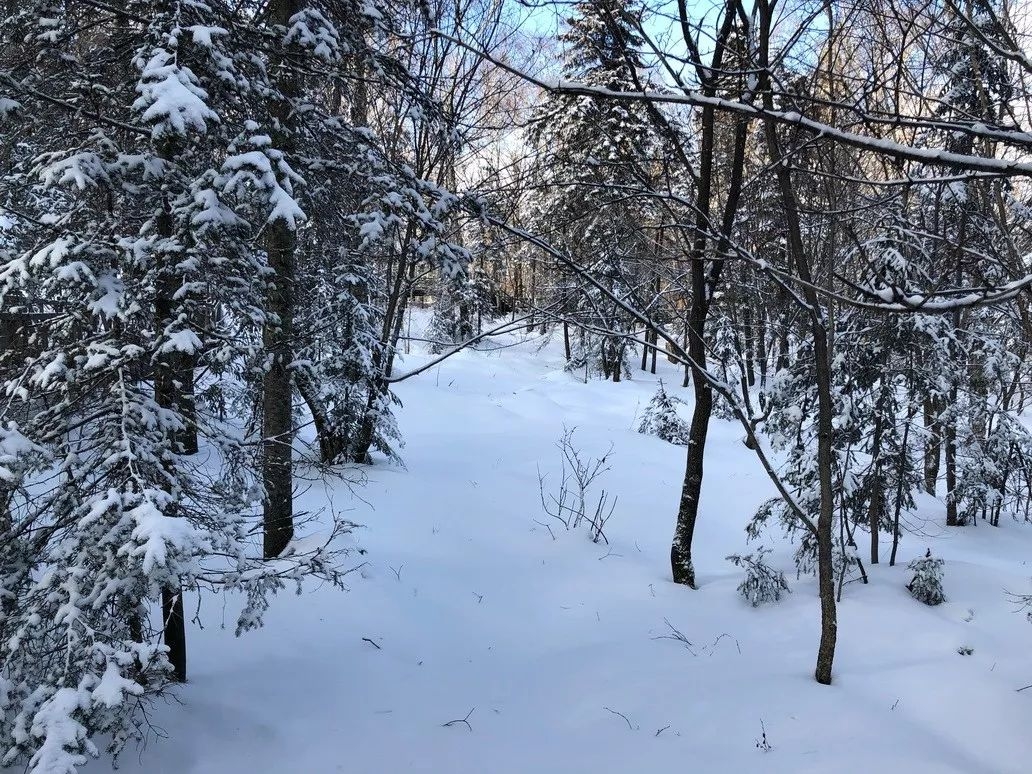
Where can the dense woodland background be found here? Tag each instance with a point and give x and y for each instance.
(217, 217)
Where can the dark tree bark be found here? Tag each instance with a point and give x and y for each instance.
(684, 349)
(277, 392)
(174, 626)
(747, 325)
(953, 516)
(704, 279)
(681, 565)
(825, 416)
(822, 368)
(761, 345)
(172, 372)
(898, 505)
(533, 295)
(332, 441)
(933, 444)
(877, 489)
(950, 448)
(277, 422)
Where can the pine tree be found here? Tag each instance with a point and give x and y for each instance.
(591, 153)
(340, 363)
(135, 243)
(661, 418)
(977, 89)
(926, 585)
(762, 584)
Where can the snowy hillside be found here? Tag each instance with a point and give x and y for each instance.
(557, 652)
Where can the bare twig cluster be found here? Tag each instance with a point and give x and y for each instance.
(573, 503)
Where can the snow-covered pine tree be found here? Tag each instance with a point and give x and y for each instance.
(994, 445)
(369, 223)
(977, 86)
(661, 419)
(882, 384)
(926, 585)
(407, 218)
(133, 239)
(789, 400)
(762, 582)
(591, 152)
(338, 362)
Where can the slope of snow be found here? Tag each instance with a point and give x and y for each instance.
(555, 649)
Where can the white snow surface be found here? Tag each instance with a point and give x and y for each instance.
(477, 611)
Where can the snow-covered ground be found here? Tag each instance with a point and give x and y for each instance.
(553, 649)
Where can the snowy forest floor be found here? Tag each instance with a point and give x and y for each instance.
(553, 649)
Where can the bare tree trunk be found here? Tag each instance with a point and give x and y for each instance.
(953, 518)
(783, 348)
(825, 431)
(684, 349)
(874, 510)
(875, 503)
(898, 505)
(822, 364)
(174, 627)
(682, 567)
(950, 447)
(761, 344)
(360, 97)
(332, 442)
(933, 445)
(703, 282)
(517, 287)
(362, 443)
(747, 324)
(533, 295)
(277, 388)
(188, 401)
(277, 425)
(398, 303)
(167, 395)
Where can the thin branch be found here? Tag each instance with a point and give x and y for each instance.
(626, 720)
(457, 721)
(696, 98)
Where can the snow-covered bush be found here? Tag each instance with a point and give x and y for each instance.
(762, 582)
(926, 585)
(662, 420)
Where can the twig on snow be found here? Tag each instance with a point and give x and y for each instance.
(626, 719)
(722, 636)
(464, 721)
(677, 635)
